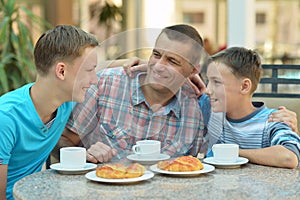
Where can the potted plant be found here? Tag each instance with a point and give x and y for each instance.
(16, 45)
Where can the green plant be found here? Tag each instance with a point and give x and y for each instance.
(16, 45)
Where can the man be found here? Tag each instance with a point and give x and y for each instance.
(34, 116)
(155, 105)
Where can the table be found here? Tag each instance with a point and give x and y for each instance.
(246, 182)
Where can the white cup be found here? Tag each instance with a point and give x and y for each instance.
(73, 157)
(147, 148)
(225, 153)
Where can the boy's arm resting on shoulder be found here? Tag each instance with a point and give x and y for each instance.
(285, 115)
(197, 84)
(3, 181)
(126, 63)
(277, 156)
(135, 64)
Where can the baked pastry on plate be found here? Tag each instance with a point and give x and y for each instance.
(181, 164)
(118, 171)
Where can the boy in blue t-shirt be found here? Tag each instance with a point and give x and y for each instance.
(34, 116)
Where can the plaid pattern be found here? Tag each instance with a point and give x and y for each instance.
(116, 113)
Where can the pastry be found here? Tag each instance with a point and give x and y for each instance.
(118, 171)
(181, 164)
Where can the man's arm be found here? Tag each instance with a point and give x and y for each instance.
(277, 156)
(98, 152)
(3, 181)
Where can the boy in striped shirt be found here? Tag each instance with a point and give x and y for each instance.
(233, 76)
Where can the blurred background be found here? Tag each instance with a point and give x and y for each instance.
(270, 26)
(275, 24)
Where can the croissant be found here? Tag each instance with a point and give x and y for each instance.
(181, 164)
(118, 171)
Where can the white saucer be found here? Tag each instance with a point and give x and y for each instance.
(238, 163)
(207, 168)
(147, 161)
(93, 177)
(60, 169)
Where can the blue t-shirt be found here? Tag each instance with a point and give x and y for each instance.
(25, 141)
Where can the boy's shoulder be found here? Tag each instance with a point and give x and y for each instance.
(15, 98)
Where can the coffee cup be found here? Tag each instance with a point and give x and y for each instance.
(147, 148)
(225, 153)
(73, 157)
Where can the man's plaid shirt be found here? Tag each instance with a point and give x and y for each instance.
(116, 113)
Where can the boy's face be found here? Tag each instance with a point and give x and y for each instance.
(223, 88)
(83, 73)
(169, 64)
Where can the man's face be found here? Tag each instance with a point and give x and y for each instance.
(83, 73)
(169, 64)
(223, 87)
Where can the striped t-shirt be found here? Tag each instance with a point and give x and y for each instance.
(254, 131)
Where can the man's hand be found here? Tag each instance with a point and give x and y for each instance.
(287, 116)
(100, 152)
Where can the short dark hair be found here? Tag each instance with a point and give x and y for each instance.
(64, 42)
(186, 33)
(243, 63)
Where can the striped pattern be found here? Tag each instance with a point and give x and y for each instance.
(254, 131)
(116, 113)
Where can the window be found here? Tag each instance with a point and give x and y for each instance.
(260, 18)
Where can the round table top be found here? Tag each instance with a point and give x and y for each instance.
(246, 182)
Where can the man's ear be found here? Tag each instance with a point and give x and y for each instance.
(60, 70)
(246, 86)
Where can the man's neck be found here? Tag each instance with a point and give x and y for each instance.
(156, 99)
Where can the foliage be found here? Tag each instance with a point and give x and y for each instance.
(107, 14)
(16, 49)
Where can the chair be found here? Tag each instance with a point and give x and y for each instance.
(280, 85)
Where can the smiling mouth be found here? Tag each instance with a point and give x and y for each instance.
(158, 75)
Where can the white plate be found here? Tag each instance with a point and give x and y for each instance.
(93, 177)
(207, 168)
(147, 161)
(238, 163)
(60, 169)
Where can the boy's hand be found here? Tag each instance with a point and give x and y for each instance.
(135, 64)
(287, 116)
(197, 84)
